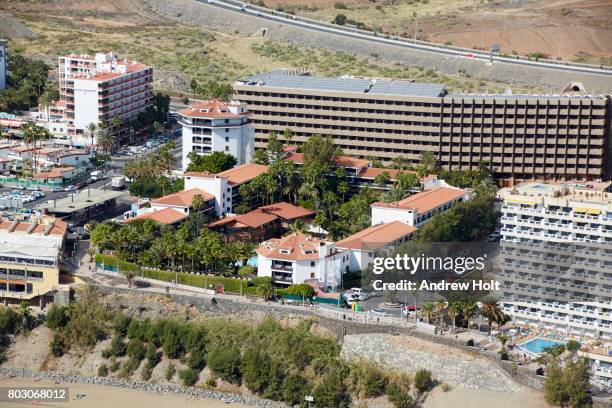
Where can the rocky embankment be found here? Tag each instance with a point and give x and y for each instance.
(192, 392)
(196, 13)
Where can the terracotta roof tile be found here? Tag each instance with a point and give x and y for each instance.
(293, 247)
(182, 198)
(425, 201)
(166, 216)
(340, 161)
(209, 109)
(242, 174)
(287, 211)
(377, 236)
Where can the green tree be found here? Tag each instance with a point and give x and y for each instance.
(491, 310)
(340, 19)
(225, 363)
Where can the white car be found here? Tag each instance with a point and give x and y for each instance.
(379, 313)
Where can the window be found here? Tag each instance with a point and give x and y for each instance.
(226, 131)
(226, 139)
(312, 263)
(227, 148)
(312, 275)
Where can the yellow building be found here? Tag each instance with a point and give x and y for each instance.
(30, 257)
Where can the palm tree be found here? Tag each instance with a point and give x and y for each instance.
(440, 308)
(3, 103)
(288, 135)
(428, 309)
(265, 290)
(31, 134)
(503, 339)
(157, 129)
(194, 86)
(468, 310)
(491, 310)
(453, 310)
(105, 140)
(91, 129)
(197, 203)
(129, 275)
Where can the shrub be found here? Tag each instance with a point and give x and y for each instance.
(9, 321)
(121, 323)
(225, 363)
(102, 370)
(399, 395)
(135, 330)
(197, 358)
(367, 380)
(56, 317)
(340, 6)
(171, 340)
(445, 387)
(422, 380)
(117, 347)
(331, 391)
(295, 387)
(302, 289)
(246, 270)
(152, 355)
(189, 376)
(135, 349)
(211, 383)
(57, 345)
(114, 365)
(129, 367)
(147, 371)
(106, 353)
(170, 370)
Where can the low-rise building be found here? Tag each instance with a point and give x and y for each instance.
(168, 216)
(60, 156)
(215, 126)
(182, 201)
(224, 186)
(57, 175)
(363, 245)
(30, 254)
(299, 258)
(417, 209)
(262, 223)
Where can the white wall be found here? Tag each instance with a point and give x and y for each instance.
(382, 215)
(229, 138)
(85, 103)
(216, 186)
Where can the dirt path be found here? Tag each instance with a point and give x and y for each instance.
(100, 397)
(465, 398)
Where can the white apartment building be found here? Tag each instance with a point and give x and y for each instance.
(3, 46)
(97, 89)
(299, 258)
(556, 262)
(215, 126)
(224, 186)
(417, 209)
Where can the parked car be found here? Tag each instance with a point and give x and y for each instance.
(20, 187)
(33, 188)
(70, 188)
(57, 190)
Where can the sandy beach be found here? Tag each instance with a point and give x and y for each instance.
(469, 398)
(97, 396)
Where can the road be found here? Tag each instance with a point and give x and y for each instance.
(485, 57)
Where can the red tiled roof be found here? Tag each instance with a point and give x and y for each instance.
(182, 198)
(55, 172)
(166, 216)
(58, 227)
(293, 247)
(340, 161)
(377, 236)
(209, 109)
(425, 201)
(236, 175)
(287, 211)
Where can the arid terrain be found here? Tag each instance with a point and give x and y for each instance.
(180, 52)
(578, 30)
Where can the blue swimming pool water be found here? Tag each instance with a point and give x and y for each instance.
(537, 345)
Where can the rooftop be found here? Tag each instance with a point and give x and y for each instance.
(340, 161)
(566, 194)
(303, 80)
(43, 238)
(56, 172)
(79, 201)
(210, 109)
(264, 215)
(166, 216)
(182, 198)
(287, 211)
(293, 247)
(377, 236)
(425, 201)
(236, 175)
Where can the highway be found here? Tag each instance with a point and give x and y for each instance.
(268, 14)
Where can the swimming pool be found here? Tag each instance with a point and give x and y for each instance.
(537, 345)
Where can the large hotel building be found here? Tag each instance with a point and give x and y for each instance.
(102, 88)
(556, 263)
(522, 137)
